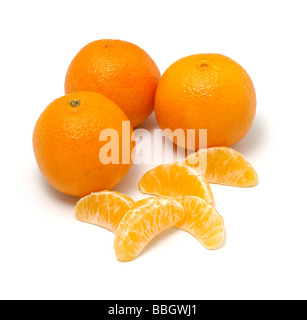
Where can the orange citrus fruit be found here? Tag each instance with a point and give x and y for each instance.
(146, 219)
(175, 180)
(223, 165)
(105, 209)
(202, 221)
(67, 146)
(121, 71)
(206, 91)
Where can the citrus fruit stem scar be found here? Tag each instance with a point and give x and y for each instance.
(75, 103)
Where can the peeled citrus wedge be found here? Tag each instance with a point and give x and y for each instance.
(175, 180)
(223, 165)
(142, 223)
(202, 221)
(105, 209)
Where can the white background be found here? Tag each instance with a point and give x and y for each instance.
(46, 254)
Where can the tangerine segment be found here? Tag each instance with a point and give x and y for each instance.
(142, 223)
(175, 180)
(223, 165)
(202, 221)
(105, 209)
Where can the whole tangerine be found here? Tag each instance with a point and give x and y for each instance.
(119, 70)
(206, 91)
(68, 144)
